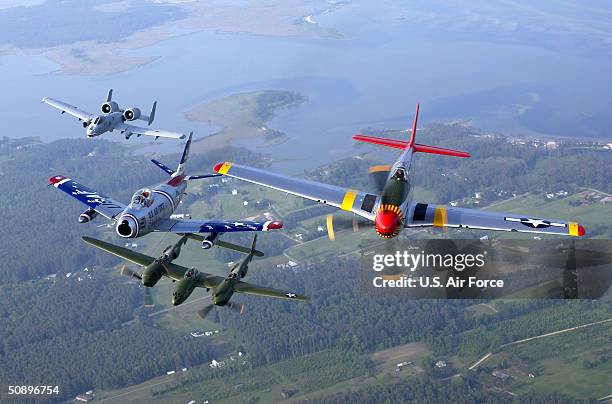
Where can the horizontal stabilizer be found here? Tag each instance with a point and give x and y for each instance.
(423, 148)
(398, 144)
(201, 176)
(163, 167)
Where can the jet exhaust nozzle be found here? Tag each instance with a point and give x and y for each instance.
(127, 226)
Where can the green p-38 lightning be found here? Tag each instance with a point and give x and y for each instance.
(187, 279)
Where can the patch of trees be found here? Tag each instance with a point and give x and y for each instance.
(427, 390)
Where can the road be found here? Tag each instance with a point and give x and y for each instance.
(489, 354)
(555, 333)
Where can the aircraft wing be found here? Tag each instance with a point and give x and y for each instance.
(174, 271)
(250, 289)
(214, 226)
(71, 109)
(360, 203)
(137, 130)
(107, 207)
(423, 214)
(121, 252)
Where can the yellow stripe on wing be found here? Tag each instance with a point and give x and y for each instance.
(440, 217)
(225, 168)
(349, 199)
(573, 229)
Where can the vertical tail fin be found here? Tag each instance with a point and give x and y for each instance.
(180, 170)
(109, 97)
(152, 114)
(253, 245)
(414, 127)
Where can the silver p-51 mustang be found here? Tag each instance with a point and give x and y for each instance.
(152, 207)
(113, 118)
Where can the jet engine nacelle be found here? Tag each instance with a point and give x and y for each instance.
(87, 216)
(109, 106)
(153, 273)
(131, 114)
(209, 241)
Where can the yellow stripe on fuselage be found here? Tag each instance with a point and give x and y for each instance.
(440, 217)
(573, 228)
(349, 199)
(225, 168)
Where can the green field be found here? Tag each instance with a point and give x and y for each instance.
(575, 363)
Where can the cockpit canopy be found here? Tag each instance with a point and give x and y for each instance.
(98, 120)
(142, 198)
(191, 273)
(400, 174)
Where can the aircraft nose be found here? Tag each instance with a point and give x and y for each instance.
(177, 298)
(127, 226)
(388, 221)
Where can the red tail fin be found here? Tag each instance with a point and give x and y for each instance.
(414, 127)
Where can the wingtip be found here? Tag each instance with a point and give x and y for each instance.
(55, 179)
(274, 225)
(218, 166)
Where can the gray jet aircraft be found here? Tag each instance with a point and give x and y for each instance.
(113, 118)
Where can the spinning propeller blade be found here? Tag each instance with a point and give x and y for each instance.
(205, 311)
(130, 273)
(148, 298)
(336, 224)
(378, 176)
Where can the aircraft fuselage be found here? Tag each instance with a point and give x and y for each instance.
(396, 196)
(104, 123)
(148, 206)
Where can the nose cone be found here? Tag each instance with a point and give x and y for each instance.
(388, 223)
(177, 298)
(127, 226)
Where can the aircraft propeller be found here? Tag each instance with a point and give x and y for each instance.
(205, 311)
(335, 224)
(378, 176)
(148, 298)
(130, 273)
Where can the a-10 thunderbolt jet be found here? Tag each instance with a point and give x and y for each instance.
(187, 279)
(151, 208)
(392, 208)
(113, 118)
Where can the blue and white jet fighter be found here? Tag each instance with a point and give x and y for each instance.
(151, 208)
